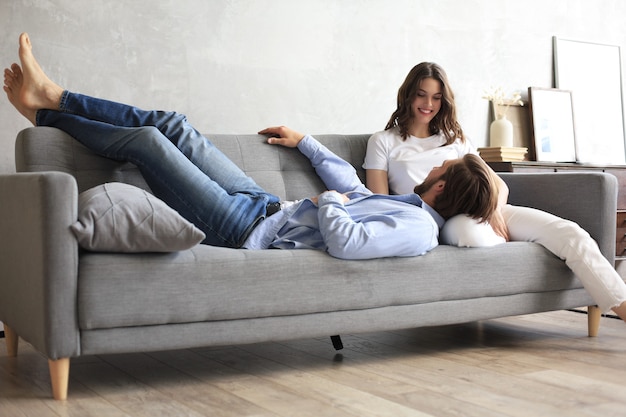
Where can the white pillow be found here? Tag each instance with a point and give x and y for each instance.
(118, 217)
(464, 231)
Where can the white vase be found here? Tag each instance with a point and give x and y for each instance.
(501, 133)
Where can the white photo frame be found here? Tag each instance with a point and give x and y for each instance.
(592, 72)
(552, 124)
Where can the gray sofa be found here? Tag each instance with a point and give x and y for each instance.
(68, 302)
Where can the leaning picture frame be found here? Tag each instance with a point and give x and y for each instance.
(592, 72)
(517, 114)
(552, 124)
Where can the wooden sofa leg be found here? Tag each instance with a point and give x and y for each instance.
(11, 339)
(59, 377)
(593, 320)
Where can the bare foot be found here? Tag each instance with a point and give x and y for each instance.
(28, 88)
(620, 311)
(13, 81)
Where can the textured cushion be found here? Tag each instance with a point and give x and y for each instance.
(118, 217)
(208, 283)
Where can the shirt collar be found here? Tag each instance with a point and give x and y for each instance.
(438, 218)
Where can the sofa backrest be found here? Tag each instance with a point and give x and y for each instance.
(287, 174)
(281, 171)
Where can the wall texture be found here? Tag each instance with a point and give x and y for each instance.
(319, 66)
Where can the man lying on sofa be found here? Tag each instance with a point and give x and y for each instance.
(185, 170)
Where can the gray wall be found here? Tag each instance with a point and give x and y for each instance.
(320, 66)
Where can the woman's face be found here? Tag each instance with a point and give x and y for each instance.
(427, 103)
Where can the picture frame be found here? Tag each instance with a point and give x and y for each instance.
(592, 72)
(552, 124)
(518, 115)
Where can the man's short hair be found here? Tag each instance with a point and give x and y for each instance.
(470, 189)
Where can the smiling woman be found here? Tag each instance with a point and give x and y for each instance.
(424, 121)
(403, 157)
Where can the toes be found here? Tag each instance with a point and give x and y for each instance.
(13, 72)
(25, 40)
(17, 70)
(12, 76)
(8, 76)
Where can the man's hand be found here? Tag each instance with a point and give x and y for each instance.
(282, 135)
(315, 200)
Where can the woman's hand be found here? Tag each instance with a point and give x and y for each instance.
(498, 224)
(282, 135)
(497, 220)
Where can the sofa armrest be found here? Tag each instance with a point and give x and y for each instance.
(39, 260)
(587, 198)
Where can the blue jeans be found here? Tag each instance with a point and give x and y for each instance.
(181, 166)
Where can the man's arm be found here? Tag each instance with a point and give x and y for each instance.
(409, 231)
(282, 135)
(336, 173)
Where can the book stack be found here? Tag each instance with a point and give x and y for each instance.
(501, 154)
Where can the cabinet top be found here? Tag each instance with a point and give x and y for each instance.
(542, 164)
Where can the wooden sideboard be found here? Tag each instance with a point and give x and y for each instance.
(618, 170)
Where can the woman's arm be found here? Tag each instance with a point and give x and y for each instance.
(497, 221)
(503, 190)
(377, 181)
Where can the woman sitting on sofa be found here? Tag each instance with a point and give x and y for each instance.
(423, 132)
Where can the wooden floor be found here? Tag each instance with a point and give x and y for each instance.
(536, 365)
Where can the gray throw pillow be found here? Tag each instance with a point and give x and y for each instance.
(118, 217)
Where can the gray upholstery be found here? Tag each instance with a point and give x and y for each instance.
(69, 303)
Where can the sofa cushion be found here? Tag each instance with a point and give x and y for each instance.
(118, 217)
(208, 283)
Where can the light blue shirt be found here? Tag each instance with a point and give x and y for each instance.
(368, 226)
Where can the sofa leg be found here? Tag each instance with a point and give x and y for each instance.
(59, 377)
(593, 320)
(11, 339)
(337, 343)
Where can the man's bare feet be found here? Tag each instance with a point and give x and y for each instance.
(13, 81)
(28, 87)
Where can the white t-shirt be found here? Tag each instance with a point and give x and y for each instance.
(409, 161)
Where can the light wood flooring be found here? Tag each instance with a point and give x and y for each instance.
(535, 365)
